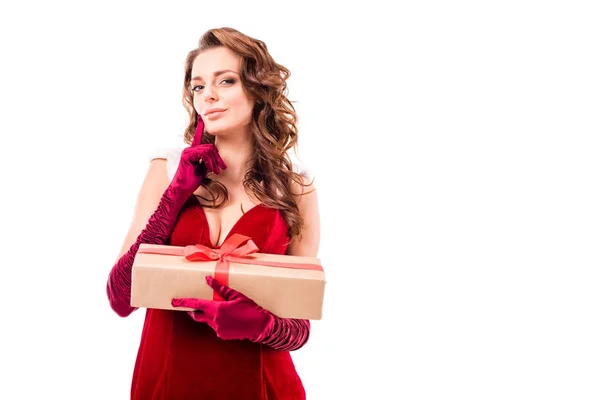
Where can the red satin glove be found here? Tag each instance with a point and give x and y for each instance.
(238, 317)
(195, 163)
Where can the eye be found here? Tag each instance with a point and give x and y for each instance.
(197, 88)
(228, 81)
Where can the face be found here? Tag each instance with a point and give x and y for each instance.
(218, 92)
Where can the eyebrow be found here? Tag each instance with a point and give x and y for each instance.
(216, 73)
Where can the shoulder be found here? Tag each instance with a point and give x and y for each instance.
(171, 157)
(156, 179)
(301, 167)
(307, 185)
(305, 192)
(307, 243)
(149, 194)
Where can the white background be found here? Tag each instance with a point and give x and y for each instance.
(456, 155)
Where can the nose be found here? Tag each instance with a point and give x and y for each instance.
(208, 94)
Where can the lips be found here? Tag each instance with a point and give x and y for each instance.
(214, 110)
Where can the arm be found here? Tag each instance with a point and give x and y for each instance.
(154, 184)
(307, 244)
(289, 333)
(158, 206)
(143, 229)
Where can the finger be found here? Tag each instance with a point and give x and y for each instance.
(221, 162)
(192, 154)
(195, 154)
(209, 164)
(226, 292)
(199, 132)
(196, 304)
(199, 317)
(217, 163)
(216, 167)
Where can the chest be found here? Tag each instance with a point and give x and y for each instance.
(199, 224)
(222, 221)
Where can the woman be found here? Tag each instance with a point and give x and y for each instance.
(235, 177)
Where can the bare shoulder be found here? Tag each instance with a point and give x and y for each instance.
(306, 196)
(300, 190)
(307, 244)
(151, 190)
(156, 179)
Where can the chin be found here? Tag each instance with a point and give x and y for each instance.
(217, 131)
(220, 129)
(216, 127)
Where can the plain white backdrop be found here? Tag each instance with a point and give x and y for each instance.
(455, 149)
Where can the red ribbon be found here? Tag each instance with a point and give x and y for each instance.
(237, 248)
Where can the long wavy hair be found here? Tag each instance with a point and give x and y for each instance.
(270, 175)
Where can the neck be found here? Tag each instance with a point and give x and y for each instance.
(235, 150)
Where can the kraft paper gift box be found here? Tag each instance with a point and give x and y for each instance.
(288, 286)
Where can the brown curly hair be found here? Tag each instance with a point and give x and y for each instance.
(270, 176)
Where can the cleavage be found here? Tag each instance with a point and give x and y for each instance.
(223, 221)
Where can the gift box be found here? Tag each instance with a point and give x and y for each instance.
(288, 286)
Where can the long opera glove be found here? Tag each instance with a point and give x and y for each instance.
(238, 317)
(196, 162)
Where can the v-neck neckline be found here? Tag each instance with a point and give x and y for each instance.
(231, 231)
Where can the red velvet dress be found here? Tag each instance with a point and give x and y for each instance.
(180, 359)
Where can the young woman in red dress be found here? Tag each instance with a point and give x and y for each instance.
(234, 176)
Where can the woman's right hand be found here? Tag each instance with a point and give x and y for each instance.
(196, 162)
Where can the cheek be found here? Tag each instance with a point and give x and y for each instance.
(246, 110)
(239, 99)
(243, 106)
(196, 103)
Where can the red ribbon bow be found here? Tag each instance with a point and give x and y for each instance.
(233, 249)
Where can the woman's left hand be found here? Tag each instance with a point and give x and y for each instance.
(236, 317)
